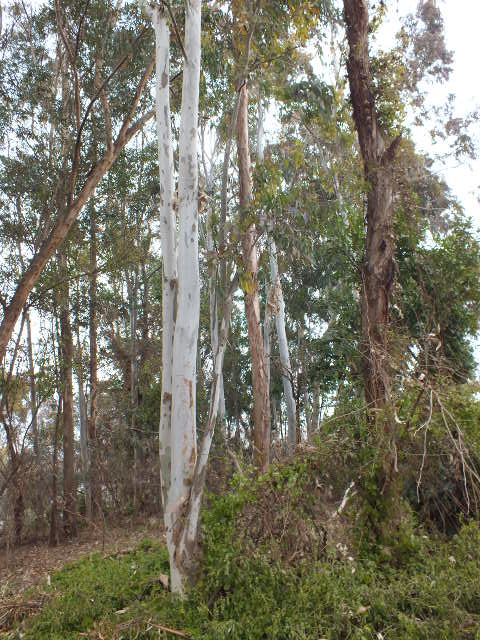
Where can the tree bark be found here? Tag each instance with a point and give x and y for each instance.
(183, 443)
(93, 466)
(66, 347)
(53, 535)
(132, 288)
(286, 368)
(378, 268)
(181, 289)
(261, 399)
(169, 251)
(83, 414)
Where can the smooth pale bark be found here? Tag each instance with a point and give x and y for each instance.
(53, 538)
(378, 268)
(65, 219)
(178, 437)
(261, 396)
(169, 264)
(184, 437)
(169, 256)
(53, 534)
(189, 537)
(213, 308)
(283, 347)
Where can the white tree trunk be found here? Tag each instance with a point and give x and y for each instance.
(189, 537)
(169, 257)
(283, 347)
(276, 304)
(181, 295)
(184, 436)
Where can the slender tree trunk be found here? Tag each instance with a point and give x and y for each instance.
(184, 439)
(18, 510)
(93, 466)
(16, 489)
(188, 543)
(283, 346)
(169, 255)
(261, 399)
(132, 286)
(53, 536)
(33, 387)
(315, 411)
(31, 362)
(213, 308)
(178, 446)
(269, 311)
(378, 269)
(276, 307)
(66, 342)
(82, 410)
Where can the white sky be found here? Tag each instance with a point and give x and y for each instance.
(461, 18)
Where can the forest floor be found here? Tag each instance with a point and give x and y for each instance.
(32, 563)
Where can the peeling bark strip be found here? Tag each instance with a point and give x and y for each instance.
(261, 400)
(378, 269)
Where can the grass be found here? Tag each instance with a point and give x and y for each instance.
(418, 587)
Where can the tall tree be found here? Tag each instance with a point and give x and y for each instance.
(378, 268)
(178, 440)
(249, 280)
(66, 365)
(93, 470)
(54, 229)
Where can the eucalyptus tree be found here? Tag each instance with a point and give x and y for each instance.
(378, 271)
(78, 43)
(180, 467)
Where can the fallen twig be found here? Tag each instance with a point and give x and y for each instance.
(346, 497)
(15, 610)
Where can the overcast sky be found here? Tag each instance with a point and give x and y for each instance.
(462, 19)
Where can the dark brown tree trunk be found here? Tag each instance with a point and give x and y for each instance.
(261, 400)
(53, 536)
(92, 422)
(378, 269)
(18, 511)
(66, 363)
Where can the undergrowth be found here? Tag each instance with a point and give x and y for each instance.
(261, 583)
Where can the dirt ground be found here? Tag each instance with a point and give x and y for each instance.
(31, 564)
